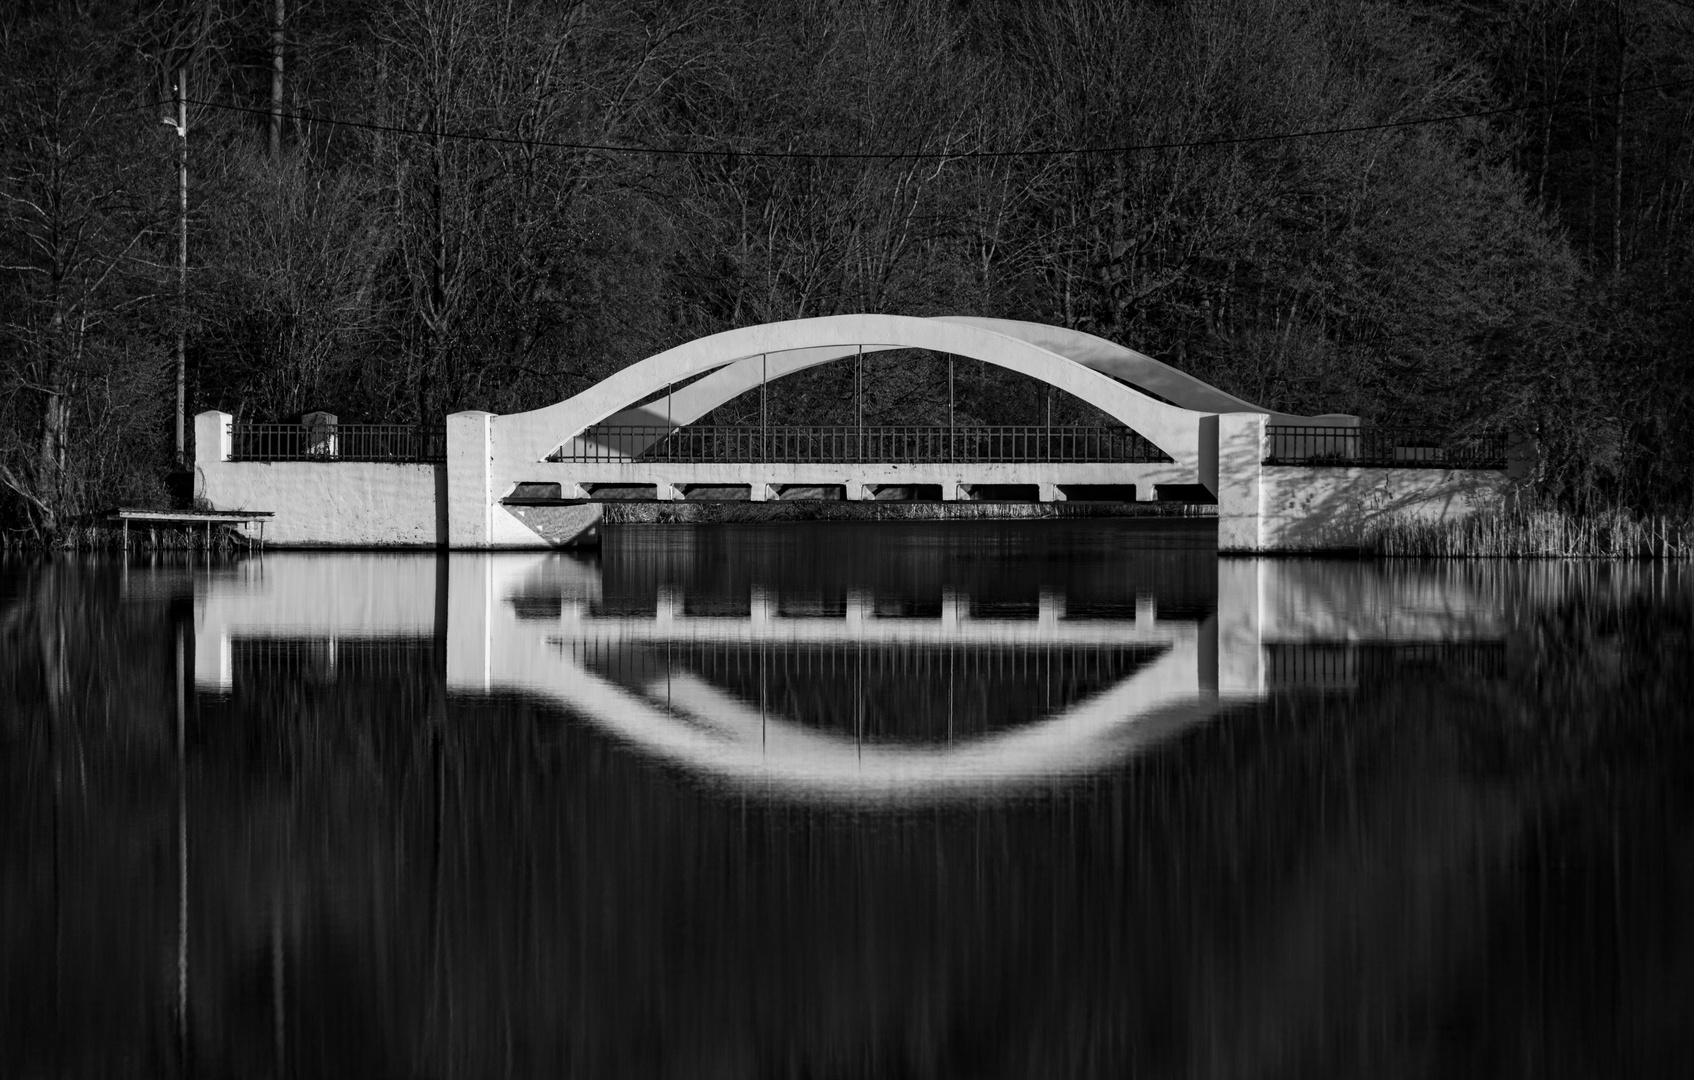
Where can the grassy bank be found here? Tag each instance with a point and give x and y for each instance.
(142, 539)
(1522, 530)
(654, 513)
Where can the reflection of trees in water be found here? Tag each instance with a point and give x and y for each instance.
(1427, 874)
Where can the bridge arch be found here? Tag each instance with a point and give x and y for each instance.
(745, 354)
(1140, 371)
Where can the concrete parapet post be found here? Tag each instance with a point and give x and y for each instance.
(1240, 459)
(321, 435)
(470, 498)
(211, 437)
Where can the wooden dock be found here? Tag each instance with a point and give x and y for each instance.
(189, 518)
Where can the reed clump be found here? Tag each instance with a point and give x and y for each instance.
(142, 538)
(1521, 529)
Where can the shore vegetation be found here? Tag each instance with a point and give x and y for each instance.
(1538, 529)
(1434, 213)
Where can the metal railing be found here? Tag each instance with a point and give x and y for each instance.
(706, 443)
(1392, 447)
(338, 442)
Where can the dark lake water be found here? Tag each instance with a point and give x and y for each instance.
(987, 799)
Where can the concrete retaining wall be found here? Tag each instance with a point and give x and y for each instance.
(1328, 508)
(334, 504)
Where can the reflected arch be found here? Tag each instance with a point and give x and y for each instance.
(690, 723)
(683, 719)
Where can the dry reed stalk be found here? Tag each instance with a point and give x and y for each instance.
(1518, 531)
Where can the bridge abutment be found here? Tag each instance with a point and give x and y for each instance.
(1266, 507)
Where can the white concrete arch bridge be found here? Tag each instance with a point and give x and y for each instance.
(596, 441)
(535, 479)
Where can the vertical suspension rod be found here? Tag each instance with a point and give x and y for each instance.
(952, 441)
(859, 398)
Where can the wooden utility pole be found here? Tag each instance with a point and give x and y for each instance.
(182, 267)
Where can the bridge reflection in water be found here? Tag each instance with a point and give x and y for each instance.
(899, 677)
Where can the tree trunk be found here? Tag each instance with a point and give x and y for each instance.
(1617, 140)
(277, 28)
(50, 468)
(55, 424)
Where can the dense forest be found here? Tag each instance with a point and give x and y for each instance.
(1471, 215)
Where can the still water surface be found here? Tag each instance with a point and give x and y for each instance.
(984, 799)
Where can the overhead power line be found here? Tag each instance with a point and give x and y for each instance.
(906, 155)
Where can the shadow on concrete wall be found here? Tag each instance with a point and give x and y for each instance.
(1329, 509)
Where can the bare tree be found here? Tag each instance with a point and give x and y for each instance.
(294, 310)
(484, 228)
(82, 180)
